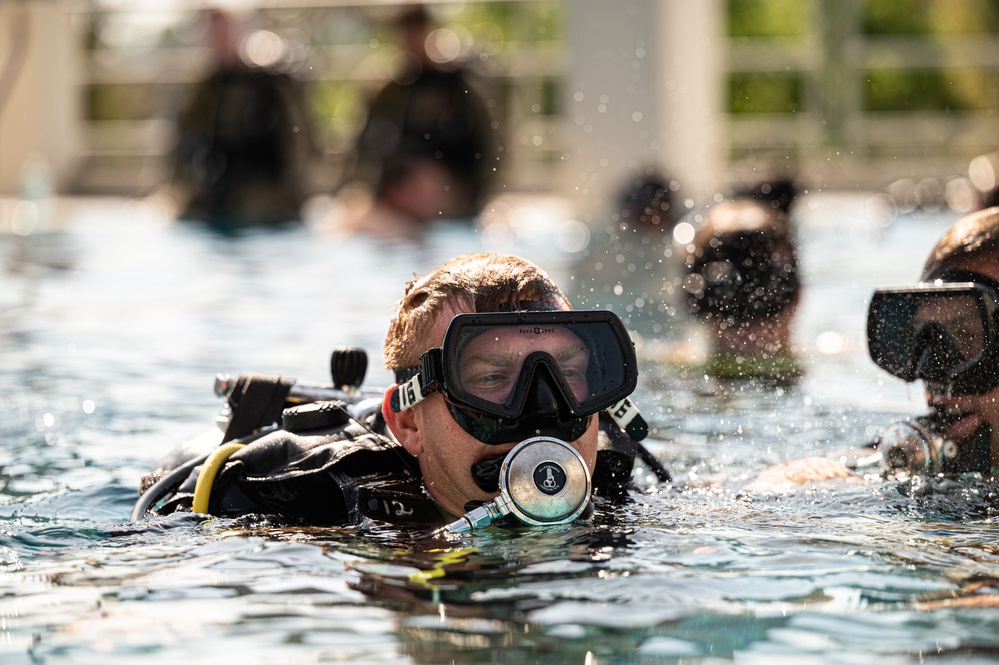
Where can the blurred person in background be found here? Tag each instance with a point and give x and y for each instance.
(646, 205)
(779, 193)
(245, 141)
(628, 264)
(410, 194)
(742, 282)
(429, 148)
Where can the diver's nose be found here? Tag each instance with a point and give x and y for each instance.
(542, 399)
(937, 356)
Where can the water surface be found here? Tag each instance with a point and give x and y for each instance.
(113, 326)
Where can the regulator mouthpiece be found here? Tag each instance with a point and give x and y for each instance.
(918, 446)
(910, 446)
(542, 481)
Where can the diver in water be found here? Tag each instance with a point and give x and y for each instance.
(506, 401)
(943, 331)
(429, 120)
(742, 283)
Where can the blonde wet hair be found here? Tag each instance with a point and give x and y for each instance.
(480, 282)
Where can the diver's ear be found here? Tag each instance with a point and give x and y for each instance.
(402, 424)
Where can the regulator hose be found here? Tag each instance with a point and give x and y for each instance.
(213, 461)
(203, 488)
(164, 486)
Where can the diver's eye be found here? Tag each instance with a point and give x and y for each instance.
(574, 364)
(492, 385)
(489, 380)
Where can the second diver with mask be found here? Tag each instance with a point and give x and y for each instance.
(943, 331)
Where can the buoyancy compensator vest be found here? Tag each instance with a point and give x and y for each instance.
(322, 467)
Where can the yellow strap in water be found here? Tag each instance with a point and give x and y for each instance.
(203, 488)
(442, 559)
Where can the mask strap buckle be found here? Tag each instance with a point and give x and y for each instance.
(628, 418)
(426, 380)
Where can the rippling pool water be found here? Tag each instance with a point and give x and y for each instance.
(113, 326)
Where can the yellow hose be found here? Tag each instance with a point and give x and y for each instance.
(203, 488)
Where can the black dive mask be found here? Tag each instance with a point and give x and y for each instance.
(545, 410)
(945, 332)
(506, 377)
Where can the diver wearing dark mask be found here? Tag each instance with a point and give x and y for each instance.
(534, 377)
(506, 377)
(944, 332)
(522, 412)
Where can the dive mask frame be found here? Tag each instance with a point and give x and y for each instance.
(600, 331)
(897, 342)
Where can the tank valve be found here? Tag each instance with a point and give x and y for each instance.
(348, 365)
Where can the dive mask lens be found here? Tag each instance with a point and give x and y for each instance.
(942, 333)
(504, 364)
(508, 376)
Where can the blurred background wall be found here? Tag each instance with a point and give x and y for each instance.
(843, 93)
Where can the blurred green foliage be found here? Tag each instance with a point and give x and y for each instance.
(929, 90)
(127, 101)
(930, 17)
(937, 23)
(336, 107)
(496, 31)
(493, 32)
(765, 93)
(767, 18)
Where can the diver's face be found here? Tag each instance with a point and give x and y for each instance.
(981, 409)
(446, 452)
(491, 363)
(960, 318)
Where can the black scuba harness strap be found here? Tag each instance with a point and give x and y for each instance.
(256, 400)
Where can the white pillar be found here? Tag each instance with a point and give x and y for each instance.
(692, 95)
(642, 88)
(40, 114)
